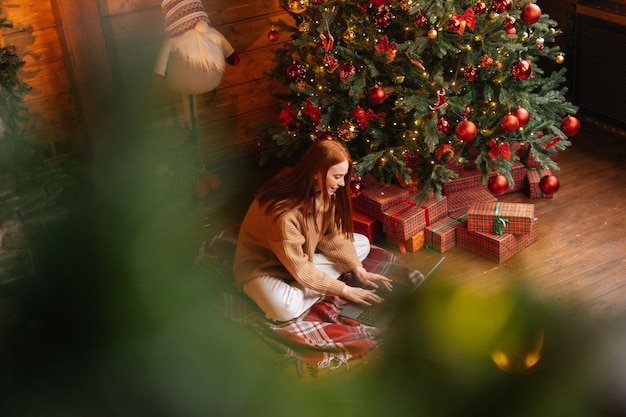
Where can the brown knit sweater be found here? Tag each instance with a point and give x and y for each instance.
(278, 246)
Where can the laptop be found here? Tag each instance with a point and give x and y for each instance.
(383, 313)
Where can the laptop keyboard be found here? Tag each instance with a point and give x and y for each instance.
(375, 311)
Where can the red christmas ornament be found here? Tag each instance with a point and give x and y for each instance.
(324, 136)
(356, 188)
(444, 153)
(295, 72)
(420, 20)
(466, 131)
(509, 123)
(522, 116)
(498, 184)
(486, 61)
(383, 18)
(570, 125)
(346, 71)
(509, 22)
(377, 95)
(469, 73)
(521, 70)
(501, 6)
(531, 13)
(443, 125)
(358, 113)
(549, 184)
(411, 159)
(480, 7)
(454, 24)
(273, 35)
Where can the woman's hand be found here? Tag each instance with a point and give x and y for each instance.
(360, 295)
(371, 279)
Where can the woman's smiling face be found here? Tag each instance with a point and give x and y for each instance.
(336, 177)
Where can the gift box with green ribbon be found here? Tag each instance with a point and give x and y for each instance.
(497, 248)
(441, 235)
(500, 218)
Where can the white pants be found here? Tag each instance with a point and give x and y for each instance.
(282, 301)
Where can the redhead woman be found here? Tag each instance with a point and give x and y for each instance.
(297, 238)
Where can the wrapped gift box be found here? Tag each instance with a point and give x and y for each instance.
(373, 201)
(498, 218)
(434, 209)
(518, 173)
(460, 201)
(494, 247)
(406, 219)
(367, 225)
(413, 244)
(441, 235)
(533, 176)
(468, 178)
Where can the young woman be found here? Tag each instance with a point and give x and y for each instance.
(297, 238)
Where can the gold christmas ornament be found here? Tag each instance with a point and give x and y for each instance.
(298, 6)
(560, 59)
(347, 131)
(432, 34)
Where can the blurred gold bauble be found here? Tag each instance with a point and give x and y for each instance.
(432, 34)
(298, 6)
(347, 131)
(560, 59)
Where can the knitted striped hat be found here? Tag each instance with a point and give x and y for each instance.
(182, 15)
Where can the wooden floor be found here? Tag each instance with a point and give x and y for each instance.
(580, 257)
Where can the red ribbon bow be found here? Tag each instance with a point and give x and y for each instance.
(496, 149)
(312, 111)
(367, 117)
(466, 19)
(384, 45)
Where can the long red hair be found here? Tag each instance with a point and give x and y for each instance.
(297, 187)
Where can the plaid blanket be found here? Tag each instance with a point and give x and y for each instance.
(318, 339)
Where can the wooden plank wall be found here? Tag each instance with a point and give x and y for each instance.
(90, 62)
(53, 110)
(228, 115)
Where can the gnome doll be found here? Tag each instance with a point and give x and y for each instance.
(192, 59)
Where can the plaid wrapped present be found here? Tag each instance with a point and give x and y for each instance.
(367, 225)
(518, 172)
(412, 244)
(434, 209)
(404, 220)
(533, 176)
(500, 218)
(494, 247)
(441, 235)
(373, 201)
(459, 202)
(468, 178)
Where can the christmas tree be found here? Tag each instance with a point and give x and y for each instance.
(417, 88)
